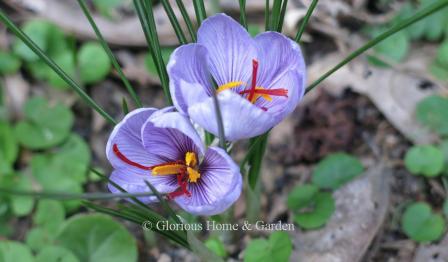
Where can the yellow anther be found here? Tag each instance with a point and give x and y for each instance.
(256, 96)
(193, 174)
(191, 159)
(229, 86)
(169, 169)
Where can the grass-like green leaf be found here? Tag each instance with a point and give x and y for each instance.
(199, 9)
(174, 22)
(187, 19)
(305, 20)
(243, 19)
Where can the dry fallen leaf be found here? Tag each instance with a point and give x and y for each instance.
(361, 207)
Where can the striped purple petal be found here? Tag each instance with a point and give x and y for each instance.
(170, 136)
(219, 187)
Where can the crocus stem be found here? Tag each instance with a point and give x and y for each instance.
(305, 20)
(403, 24)
(61, 73)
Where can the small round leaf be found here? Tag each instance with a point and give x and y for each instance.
(433, 113)
(97, 238)
(94, 63)
(56, 254)
(45, 126)
(424, 160)
(317, 213)
(277, 248)
(335, 170)
(11, 251)
(420, 224)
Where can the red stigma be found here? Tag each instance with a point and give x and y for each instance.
(254, 79)
(127, 160)
(182, 190)
(272, 92)
(182, 177)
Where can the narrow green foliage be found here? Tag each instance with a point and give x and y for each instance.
(275, 15)
(112, 58)
(305, 20)
(199, 9)
(243, 19)
(267, 16)
(174, 22)
(146, 16)
(71, 196)
(255, 160)
(19, 33)
(187, 19)
(124, 106)
(282, 16)
(399, 26)
(164, 203)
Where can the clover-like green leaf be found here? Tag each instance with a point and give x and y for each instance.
(277, 248)
(420, 224)
(11, 251)
(66, 61)
(394, 48)
(49, 214)
(56, 254)
(301, 196)
(444, 149)
(38, 31)
(442, 54)
(97, 238)
(38, 238)
(94, 63)
(9, 148)
(9, 63)
(445, 207)
(424, 160)
(216, 246)
(45, 126)
(22, 205)
(433, 113)
(335, 170)
(317, 213)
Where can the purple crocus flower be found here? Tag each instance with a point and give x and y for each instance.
(259, 80)
(162, 147)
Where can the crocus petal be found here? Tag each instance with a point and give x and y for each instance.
(230, 48)
(241, 119)
(127, 136)
(189, 77)
(217, 189)
(280, 107)
(277, 54)
(134, 182)
(170, 136)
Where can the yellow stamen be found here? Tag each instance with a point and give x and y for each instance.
(190, 159)
(256, 96)
(193, 174)
(169, 169)
(229, 86)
